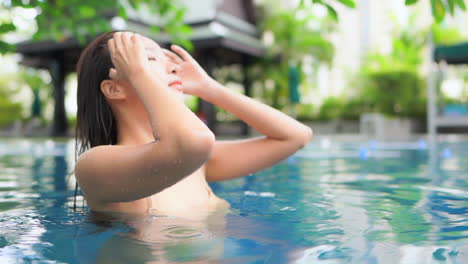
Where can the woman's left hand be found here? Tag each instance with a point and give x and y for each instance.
(195, 80)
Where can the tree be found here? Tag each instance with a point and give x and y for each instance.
(439, 7)
(10, 108)
(391, 83)
(61, 19)
(292, 38)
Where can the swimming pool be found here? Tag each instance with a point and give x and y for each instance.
(358, 202)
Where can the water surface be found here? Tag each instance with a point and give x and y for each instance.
(363, 202)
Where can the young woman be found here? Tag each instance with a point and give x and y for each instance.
(142, 150)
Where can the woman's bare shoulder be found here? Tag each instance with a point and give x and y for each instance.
(91, 155)
(123, 173)
(95, 154)
(103, 160)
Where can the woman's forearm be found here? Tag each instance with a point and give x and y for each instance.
(265, 119)
(169, 117)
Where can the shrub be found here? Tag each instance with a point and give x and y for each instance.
(9, 110)
(395, 93)
(354, 107)
(331, 109)
(305, 112)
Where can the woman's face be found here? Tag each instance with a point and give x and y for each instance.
(162, 66)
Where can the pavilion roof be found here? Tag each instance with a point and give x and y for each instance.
(226, 28)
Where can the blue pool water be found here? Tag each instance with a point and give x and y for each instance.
(361, 202)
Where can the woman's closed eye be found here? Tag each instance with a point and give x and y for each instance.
(150, 58)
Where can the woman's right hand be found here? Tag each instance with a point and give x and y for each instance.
(128, 56)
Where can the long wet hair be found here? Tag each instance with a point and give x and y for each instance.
(96, 124)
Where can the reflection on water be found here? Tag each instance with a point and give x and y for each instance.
(365, 202)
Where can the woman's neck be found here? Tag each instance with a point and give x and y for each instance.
(134, 128)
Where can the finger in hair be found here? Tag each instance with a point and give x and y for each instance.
(139, 44)
(134, 38)
(118, 40)
(181, 52)
(126, 39)
(172, 56)
(113, 74)
(111, 46)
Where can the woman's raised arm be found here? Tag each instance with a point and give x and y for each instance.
(283, 135)
(182, 142)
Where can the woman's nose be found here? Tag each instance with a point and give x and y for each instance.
(174, 68)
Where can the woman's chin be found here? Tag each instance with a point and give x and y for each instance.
(180, 95)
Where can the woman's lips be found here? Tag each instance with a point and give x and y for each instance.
(176, 85)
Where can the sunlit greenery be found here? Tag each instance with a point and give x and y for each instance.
(10, 109)
(446, 35)
(391, 83)
(441, 7)
(61, 19)
(294, 32)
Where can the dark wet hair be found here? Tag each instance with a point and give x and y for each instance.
(95, 121)
(96, 124)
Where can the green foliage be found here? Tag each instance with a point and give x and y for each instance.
(390, 83)
(438, 10)
(406, 53)
(305, 112)
(335, 108)
(340, 108)
(192, 103)
(348, 3)
(440, 7)
(10, 110)
(72, 121)
(395, 93)
(33, 79)
(396, 90)
(354, 107)
(331, 10)
(331, 108)
(444, 35)
(294, 38)
(6, 27)
(62, 19)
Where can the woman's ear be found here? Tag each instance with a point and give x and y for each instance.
(112, 90)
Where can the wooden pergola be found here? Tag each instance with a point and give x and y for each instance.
(224, 33)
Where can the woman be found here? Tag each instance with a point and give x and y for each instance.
(143, 150)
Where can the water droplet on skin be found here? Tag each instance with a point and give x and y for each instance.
(165, 178)
(177, 162)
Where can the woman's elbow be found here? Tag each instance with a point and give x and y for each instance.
(304, 136)
(202, 144)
